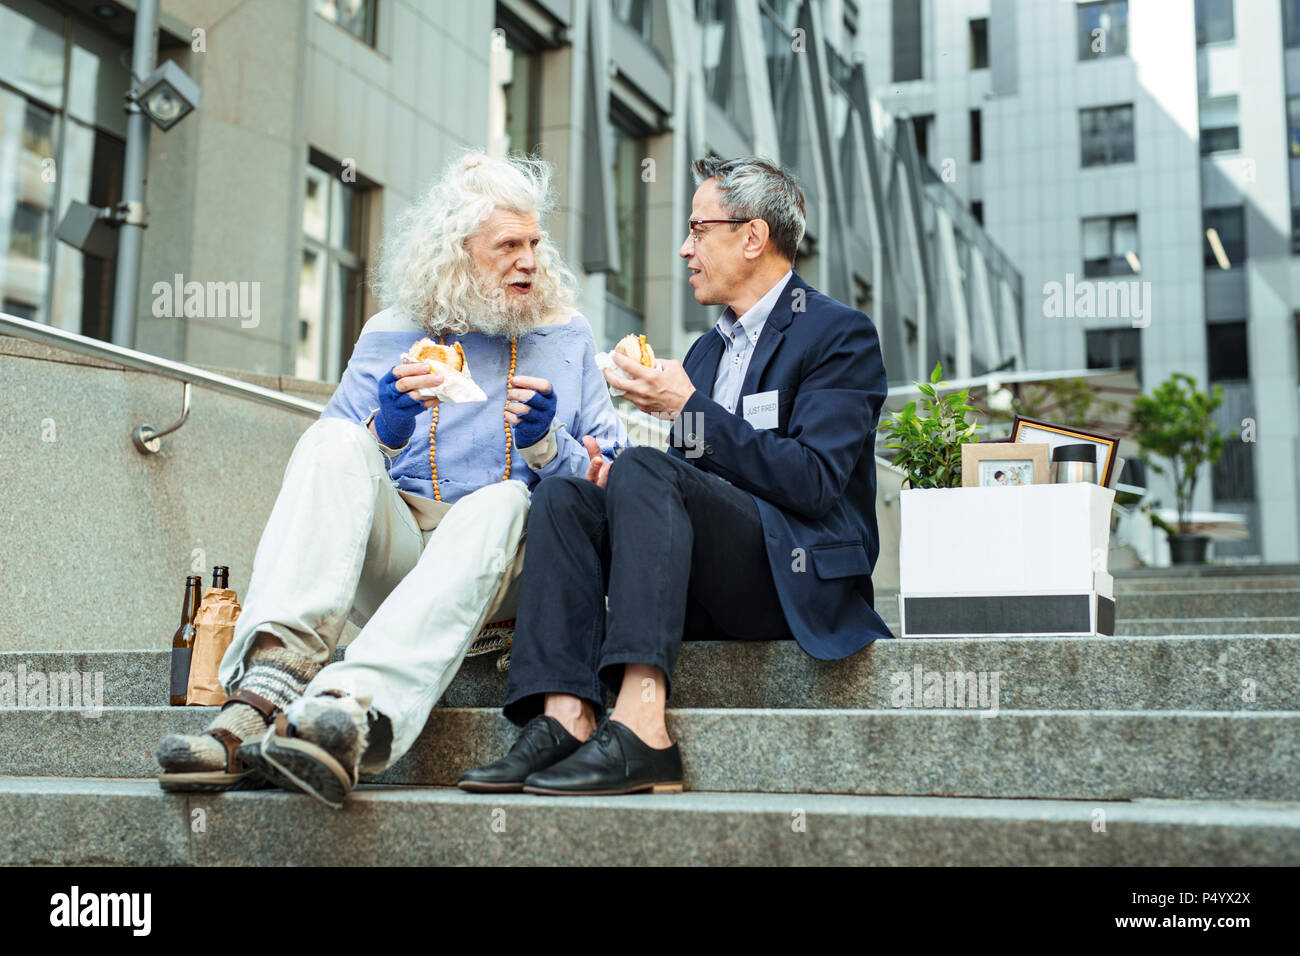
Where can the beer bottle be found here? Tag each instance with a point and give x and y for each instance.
(183, 640)
(221, 577)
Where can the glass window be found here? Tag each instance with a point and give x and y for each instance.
(1291, 22)
(1225, 237)
(1213, 21)
(778, 23)
(1103, 29)
(906, 25)
(1115, 348)
(1110, 246)
(1226, 348)
(714, 20)
(355, 16)
(638, 14)
(1106, 135)
(26, 204)
(1218, 124)
(515, 109)
(921, 124)
(32, 54)
(976, 137)
(628, 283)
(979, 44)
(331, 292)
(1293, 126)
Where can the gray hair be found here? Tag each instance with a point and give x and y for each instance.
(757, 188)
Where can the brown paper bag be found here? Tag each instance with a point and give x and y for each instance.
(215, 624)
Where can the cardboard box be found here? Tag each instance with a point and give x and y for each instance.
(1020, 560)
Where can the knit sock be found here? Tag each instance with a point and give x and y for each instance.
(338, 724)
(274, 672)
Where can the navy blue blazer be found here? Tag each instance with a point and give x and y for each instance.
(813, 476)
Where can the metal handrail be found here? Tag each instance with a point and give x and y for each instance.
(146, 437)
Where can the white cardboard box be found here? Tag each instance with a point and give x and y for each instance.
(1030, 559)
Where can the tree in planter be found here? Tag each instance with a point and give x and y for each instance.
(1176, 422)
(929, 445)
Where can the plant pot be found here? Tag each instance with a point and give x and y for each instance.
(1188, 548)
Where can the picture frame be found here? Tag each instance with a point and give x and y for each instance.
(1033, 430)
(993, 464)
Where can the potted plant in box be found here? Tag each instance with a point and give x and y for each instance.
(928, 445)
(1176, 422)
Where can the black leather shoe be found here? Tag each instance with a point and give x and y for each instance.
(542, 742)
(613, 761)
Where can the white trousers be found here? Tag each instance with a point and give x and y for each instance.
(340, 543)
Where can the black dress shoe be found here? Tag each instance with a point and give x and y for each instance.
(613, 761)
(542, 742)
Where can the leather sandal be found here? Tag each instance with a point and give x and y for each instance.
(237, 775)
(292, 763)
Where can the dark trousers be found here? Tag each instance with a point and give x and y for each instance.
(676, 549)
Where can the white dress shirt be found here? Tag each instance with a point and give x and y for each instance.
(740, 335)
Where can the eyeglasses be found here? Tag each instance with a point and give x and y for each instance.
(694, 224)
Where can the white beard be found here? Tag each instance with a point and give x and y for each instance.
(498, 312)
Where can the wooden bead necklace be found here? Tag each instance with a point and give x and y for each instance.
(510, 438)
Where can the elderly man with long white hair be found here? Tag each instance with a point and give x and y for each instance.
(403, 512)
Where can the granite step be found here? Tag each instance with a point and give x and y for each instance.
(1195, 672)
(1097, 754)
(129, 822)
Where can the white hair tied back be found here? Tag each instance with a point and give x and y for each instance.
(425, 269)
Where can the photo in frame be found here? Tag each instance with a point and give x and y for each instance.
(1003, 464)
(1033, 430)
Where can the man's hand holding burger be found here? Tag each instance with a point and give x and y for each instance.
(661, 391)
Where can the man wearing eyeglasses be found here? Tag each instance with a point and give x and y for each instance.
(758, 524)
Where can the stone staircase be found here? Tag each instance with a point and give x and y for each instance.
(1176, 742)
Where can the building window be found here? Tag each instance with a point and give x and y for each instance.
(1225, 237)
(331, 283)
(906, 24)
(1115, 348)
(627, 285)
(60, 108)
(1106, 135)
(1213, 21)
(1103, 29)
(516, 105)
(976, 137)
(1110, 246)
(778, 24)
(1226, 348)
(977, 210)
(1218, 124)
(979, 44)
(355, 16)
(1291, 22)
(638, 14)
(714, 19)
(921, 125)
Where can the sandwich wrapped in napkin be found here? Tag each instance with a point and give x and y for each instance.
(449, 362)
(634, 347)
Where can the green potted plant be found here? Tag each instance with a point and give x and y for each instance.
(928, 445)
(1176, 422)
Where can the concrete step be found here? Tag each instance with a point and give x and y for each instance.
(1197, 672)
(81, 822)
(1171, 626)
(1090, 755)
(1235, 603)
(1126, 584)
